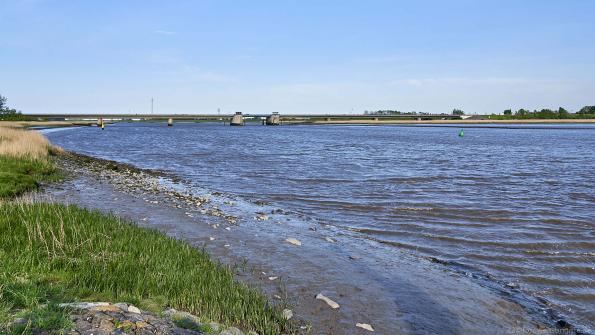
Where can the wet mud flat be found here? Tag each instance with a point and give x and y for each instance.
(400, 294)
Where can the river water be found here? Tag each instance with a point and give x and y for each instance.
(517, 202)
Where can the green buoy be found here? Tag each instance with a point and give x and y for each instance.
(461, 133)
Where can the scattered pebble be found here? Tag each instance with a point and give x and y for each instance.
(293, 241)
(273, 278)
(227, 228)
(262, 217)
(364, 326)
(211, 238)
(512, 285)
(227, 245)
(328, 239)
(329, 302)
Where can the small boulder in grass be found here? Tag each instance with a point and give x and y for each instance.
(293, 241)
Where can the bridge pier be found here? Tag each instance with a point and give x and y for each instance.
(237, 120)
(273, 119)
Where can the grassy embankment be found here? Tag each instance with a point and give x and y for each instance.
(51, 253)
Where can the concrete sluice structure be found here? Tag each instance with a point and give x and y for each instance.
(237, 120)
(273, 119)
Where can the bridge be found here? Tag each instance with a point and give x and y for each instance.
(284, 118)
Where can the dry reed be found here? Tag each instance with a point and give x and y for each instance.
(21, 143)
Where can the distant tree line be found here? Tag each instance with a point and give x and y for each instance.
(9, 114)
(560, 113)
(587, 112)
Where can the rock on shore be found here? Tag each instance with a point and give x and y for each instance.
(102, 318)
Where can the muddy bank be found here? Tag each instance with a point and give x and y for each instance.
(405, 295)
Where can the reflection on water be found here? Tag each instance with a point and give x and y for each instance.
(516, 203)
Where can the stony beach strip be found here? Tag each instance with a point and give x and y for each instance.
(142, 183)
(102, 318)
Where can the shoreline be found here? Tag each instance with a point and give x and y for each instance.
(443, 122)
(190, 227)
(58, 256)
(46, 124)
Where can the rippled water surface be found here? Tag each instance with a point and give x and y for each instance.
(516, 203)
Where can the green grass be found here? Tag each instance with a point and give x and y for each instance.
(20, 175)
(52, 253)
(187, 323)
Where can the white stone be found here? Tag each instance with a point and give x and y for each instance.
(287, 314)
(133, 309)
(329, 302)
(211, 238)
(364, 326)
(273, 278)
(293, 241)
(328, 239)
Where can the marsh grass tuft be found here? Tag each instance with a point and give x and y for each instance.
(23, 161)
(52, 252)
(20, 175)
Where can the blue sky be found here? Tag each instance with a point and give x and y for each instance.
(296, 56)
